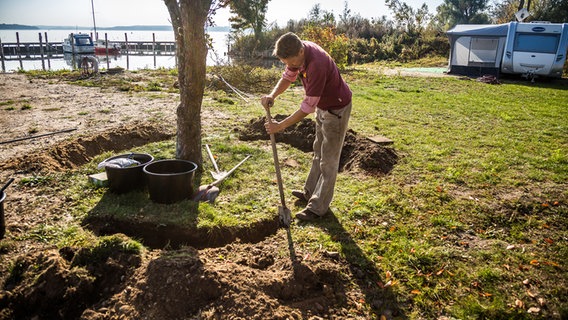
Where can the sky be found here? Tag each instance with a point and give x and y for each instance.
(110, 13)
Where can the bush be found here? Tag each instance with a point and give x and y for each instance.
(336, 45)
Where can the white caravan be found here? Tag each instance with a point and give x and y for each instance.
(535, 49)
(530, 49)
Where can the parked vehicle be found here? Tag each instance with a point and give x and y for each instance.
(78, 43)
(529, 49)
(536, 48)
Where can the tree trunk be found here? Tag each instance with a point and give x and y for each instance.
(188, 20)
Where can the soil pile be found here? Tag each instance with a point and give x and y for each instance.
(75, 153)
(357, 153)
(238, 281)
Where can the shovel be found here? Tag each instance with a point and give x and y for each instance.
(284, 213)
(210, 191)
(6, 185)
(217, 174)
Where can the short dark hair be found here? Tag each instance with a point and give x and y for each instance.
(288, 45)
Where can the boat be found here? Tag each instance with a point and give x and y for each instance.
(78, 43)
(105, 47)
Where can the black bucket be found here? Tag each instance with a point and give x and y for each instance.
(170, 181)
(2, 219)
(122, 180)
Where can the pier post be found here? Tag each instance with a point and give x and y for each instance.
(154, 47)
(41, 51)
(19, 56)
(2, 56)
(47, 49)
(126, 41)
(72, 50)
(106, 47)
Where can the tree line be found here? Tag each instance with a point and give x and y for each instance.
(410, 34)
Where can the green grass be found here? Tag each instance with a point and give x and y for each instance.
(476, 204)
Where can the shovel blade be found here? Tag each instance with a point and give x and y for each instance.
(218, 175)
(285, 216)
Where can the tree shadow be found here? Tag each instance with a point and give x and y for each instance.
(167, 225)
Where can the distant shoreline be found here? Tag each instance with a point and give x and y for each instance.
(4, 26)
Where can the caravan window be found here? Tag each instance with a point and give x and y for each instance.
(483, 50)
(530, 42)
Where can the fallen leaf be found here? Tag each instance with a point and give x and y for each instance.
(534, 262)
(526, 282)
(533, 310)
(415, 291)
(511, 247)
(486, 294)
(549, 240)
(545, 205)
(451, 274)
(390, 283)
(531, 294)
(439, 189)
(542, 302)
(519, 303)
(508, 267)
(439, 272)
(392, 229)
(552, 263)
(412, 250)
(556, 203)
(388, 274)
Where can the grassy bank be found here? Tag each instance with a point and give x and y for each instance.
(472, 221)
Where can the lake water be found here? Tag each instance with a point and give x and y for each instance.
(216, 55)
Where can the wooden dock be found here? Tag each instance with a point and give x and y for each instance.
(31, 49)
(43, 49)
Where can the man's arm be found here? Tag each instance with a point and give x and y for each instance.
(268, 100)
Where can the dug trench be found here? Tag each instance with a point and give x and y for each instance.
(119, 284)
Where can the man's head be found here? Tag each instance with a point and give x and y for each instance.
(290, 50)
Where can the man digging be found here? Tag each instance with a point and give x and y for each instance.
(326, 94)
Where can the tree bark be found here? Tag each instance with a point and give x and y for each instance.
(188, 20)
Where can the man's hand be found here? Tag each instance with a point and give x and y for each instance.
(273, 127)
(267, 101)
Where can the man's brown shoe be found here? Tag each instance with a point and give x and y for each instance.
(300, 195)
(306, 215)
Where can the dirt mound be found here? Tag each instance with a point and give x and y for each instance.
(358, 152)
(60, 284)
(74, 153)
(240, 281)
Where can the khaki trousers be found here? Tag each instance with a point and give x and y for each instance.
(331, 127)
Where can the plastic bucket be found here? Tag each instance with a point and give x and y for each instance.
(170, 180)
(2, 219)
(122, 180)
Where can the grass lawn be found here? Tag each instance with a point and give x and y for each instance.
(472, 221)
